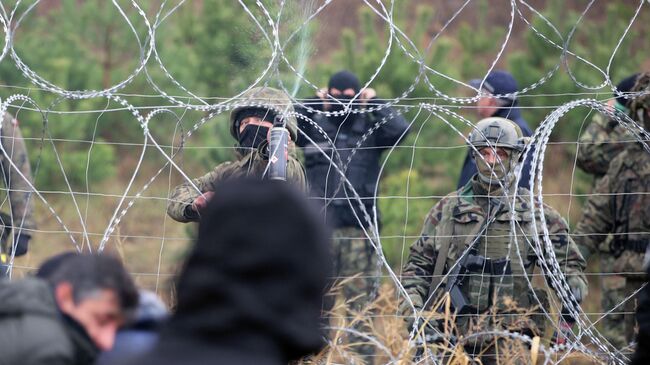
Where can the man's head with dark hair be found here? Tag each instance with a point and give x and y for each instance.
(94, 290)
(257, 274)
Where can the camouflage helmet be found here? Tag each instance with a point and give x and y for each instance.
(640, 105)
(265, 98)
(497, 132)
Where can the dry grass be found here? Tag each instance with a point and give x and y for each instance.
(388, 329)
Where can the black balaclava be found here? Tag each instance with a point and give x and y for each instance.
(343, 80)
(253, 136)
(256, 276)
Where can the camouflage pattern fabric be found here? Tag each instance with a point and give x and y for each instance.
(19, 193)
(602, 140)
(253, 164)
(620, 206)
(358, 274)
(600, 143)
(612, 294)
(453, 219)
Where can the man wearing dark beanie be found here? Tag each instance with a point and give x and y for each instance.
(359, 139)
(599, 144)
(251, 290)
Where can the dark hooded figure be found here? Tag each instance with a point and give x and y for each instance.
(252, 288)
(358, 141)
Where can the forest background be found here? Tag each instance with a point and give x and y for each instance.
(85, 152)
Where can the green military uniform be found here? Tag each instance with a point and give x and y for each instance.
(603, 140)
(18, 189)
(253, 164)
(249, 163)
(454, 219)
(620, 206)
(469, 235)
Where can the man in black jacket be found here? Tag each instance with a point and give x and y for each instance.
(359, 139)
(68, 317)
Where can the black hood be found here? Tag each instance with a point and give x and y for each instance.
(256, 276)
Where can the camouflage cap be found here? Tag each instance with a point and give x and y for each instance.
(269, 98)
(497, 132)
(640, 105)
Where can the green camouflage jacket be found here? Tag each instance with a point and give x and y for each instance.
(20, 196)
(620, 205)
(253, 164)
(454, 218)
(603, 140)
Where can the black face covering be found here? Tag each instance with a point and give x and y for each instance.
(251, 138)
(342, 81)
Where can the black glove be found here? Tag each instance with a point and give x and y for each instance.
(21, 242)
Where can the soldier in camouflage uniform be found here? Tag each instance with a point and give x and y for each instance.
(250, 126)
(620, 206)
(602, 140)
(473, 225)
(21, 221)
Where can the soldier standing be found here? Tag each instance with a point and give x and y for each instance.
(361, 150)
(602, 140)
(20, 223)
(620, 206)
(250, 126)
(468, 235)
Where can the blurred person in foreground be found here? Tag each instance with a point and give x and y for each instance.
(468, 241)
(359, 140)
(67, 316)
(251, 291)
(141, 333)
(502, 83)
(620, 206)
(599, 144)
(18, 226)
(250, 126)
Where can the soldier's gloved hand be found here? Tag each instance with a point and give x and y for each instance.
(21, 243)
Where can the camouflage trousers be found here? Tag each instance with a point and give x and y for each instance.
(357, 275)
(617, 326)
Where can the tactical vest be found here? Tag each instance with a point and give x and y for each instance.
(362, 171)
(490, 285)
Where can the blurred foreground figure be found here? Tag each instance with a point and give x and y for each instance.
(69, 315)
(358, 153)
(600, 143)
(497, 83)
(468, 236)
(620, 206)
(17, 227)
(251, 290)
(141, 333)
(250, 126)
